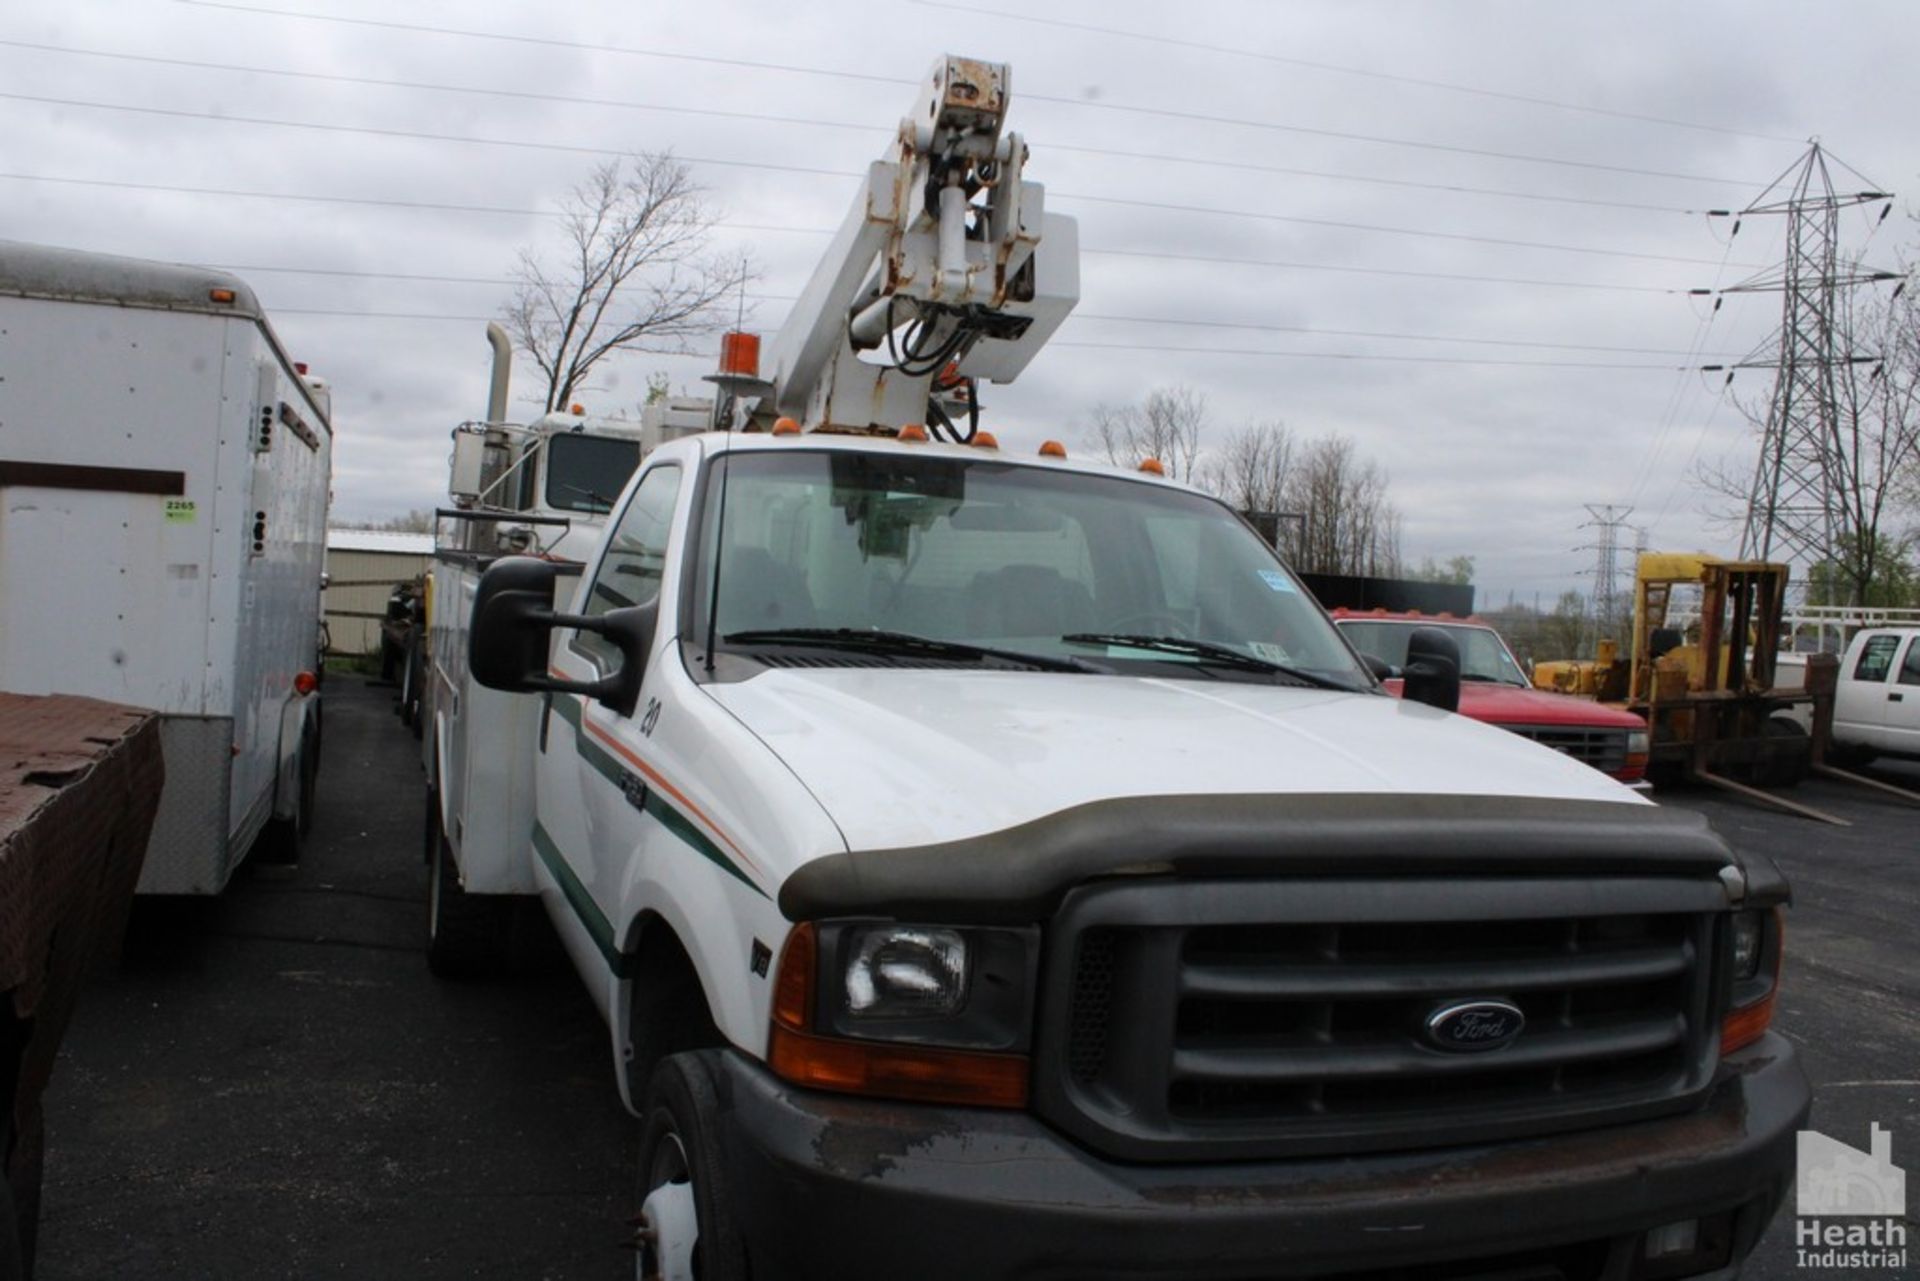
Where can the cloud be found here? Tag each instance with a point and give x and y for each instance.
(1492, 447)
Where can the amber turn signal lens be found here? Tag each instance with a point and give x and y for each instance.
(1743, 1027)
(793, 986)
(923, 1074)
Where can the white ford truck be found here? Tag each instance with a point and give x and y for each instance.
(995, 865)
(1876, 696)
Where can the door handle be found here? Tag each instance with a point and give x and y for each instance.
(1895, 697)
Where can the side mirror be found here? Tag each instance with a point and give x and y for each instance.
(513, 622)
(1432, 669)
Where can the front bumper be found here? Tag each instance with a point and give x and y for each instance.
(831, 1186)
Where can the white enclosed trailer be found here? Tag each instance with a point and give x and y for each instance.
(164, 472)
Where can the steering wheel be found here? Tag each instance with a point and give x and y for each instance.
(1159, 622)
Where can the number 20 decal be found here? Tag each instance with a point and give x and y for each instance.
(650, 717)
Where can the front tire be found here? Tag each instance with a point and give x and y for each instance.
(689, 1225)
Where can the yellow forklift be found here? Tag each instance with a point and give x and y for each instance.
(1707, 690)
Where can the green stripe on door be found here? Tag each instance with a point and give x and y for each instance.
(595, 921)
(611, 768)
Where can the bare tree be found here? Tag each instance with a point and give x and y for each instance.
(1250, 470)
(635, 271)
(1165, 426)
(1347, 525)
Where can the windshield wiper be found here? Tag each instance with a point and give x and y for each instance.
(903, 643)
(592, 496)
(1207, 652)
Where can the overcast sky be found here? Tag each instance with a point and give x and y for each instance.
(1461, 235)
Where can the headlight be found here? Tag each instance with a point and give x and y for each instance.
(936, 1013)
(1639, 742)
(905, 971)
(1755, 944)
(1749, 932)
(931, 984)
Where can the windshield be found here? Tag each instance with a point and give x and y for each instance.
(1028, 559)
(1483, 655)
(586, 473)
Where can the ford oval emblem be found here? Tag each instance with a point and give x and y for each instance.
(1474, 1025)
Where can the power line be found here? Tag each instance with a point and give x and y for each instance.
(174, 188)
(1381, 271)
(1088, 250)
(1165, 113)
(1241, 52)
(412, 134)
(348, 313)
(1244, 166)
(1345, 355)
(1373, 333)
(1174, 321)
(574, 148)
(1392, 231)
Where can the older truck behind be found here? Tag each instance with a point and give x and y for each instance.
(994, 865)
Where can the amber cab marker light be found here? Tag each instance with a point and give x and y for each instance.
(1152, 467)
(985, 440)
(220, 295)
(305, 683)
(913, 431)
(785, 427)
(1052, 449)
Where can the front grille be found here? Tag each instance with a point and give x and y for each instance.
(1205, 1018)
(1604, 749)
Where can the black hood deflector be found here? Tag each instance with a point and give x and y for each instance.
(1018, 875)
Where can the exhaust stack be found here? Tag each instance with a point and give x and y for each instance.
(502, 371)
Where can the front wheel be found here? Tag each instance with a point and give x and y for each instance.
(689, 1228)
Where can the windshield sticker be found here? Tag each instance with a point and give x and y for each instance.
(1272, 653)
(1278, 581)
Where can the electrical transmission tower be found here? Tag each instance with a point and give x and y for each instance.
(1609, 520)
(1803, 462)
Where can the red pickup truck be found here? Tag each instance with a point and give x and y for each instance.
(1494, 689)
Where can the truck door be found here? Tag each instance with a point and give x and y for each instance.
(1860, 704)
(1900, 709)
(591, 797)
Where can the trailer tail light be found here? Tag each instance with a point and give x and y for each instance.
(220, 295)
(305, 683)
(920, 1073)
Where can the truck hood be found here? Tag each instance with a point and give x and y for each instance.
(911, 758)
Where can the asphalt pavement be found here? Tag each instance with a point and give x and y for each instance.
(273, 1085)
